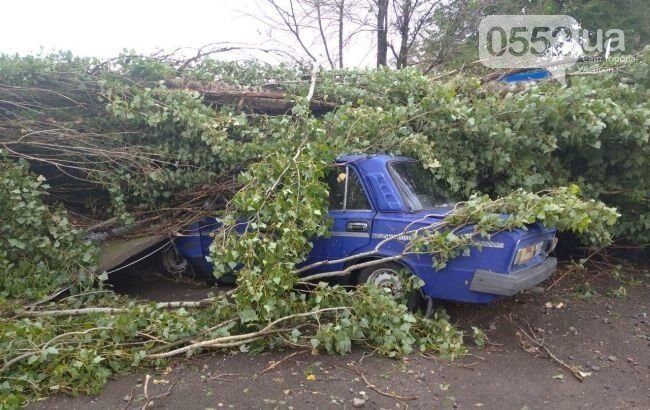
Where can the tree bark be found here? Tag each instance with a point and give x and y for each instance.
(382, 32)
(341, 12)
(404, 27)
(255, 102)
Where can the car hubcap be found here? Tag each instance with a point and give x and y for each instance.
(173, 262)
(388, 279)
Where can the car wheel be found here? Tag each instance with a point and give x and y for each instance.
(384, 276)
(388, 275)
(171, 263)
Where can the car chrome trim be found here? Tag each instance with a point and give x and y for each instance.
(489, 244)
(397, 237)
(351, 234)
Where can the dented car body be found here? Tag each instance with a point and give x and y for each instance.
(381, 200)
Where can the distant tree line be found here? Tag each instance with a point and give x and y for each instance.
(431, 34)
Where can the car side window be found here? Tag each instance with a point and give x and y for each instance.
(346, 191)
(357, 198)
(336, 188)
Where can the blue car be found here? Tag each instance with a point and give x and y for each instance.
(375, 197)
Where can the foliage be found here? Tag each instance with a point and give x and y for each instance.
(481, 217)
(145, 145)
(453, 40)
(561, 208)
(280, 198)
(619, 293)
(479, 337)
(472, 136)
(246, 74)
(585, 291)
(77, 352)
(381, 323)
(39, 250)
(594, 133)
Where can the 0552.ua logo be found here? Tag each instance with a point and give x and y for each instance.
(552, 42)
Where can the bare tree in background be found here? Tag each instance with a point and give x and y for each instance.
(382, 31)
(411, 18)
(319, 27)
(400, 26)
(324, 28)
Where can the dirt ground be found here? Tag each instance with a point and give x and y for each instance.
(607, 337)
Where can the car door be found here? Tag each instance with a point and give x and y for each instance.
(351, 212)
(352, 216)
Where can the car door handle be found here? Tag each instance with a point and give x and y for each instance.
(356, 226)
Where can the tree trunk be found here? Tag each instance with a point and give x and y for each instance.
(405, 22)
(382, 32)
(341, 11)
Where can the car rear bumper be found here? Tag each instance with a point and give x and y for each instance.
(510, 284)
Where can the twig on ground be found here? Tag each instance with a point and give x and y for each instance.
(128, 402)
(573, 268)
(363, 356)
(146, 392)
(221, 376)
(449, 363)
(149, 401)
(475, 355)
(393, 396)
(275, 364)
(575, 371)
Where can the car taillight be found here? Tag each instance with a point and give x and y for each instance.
(524, 255)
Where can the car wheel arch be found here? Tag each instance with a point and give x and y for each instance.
(355, 274)
(417, 299)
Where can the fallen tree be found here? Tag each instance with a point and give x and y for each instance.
(159, 140)
(68, 347)
(116, 145)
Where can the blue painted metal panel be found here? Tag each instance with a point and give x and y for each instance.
(526, 76)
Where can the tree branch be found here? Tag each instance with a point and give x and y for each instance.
(224, 340)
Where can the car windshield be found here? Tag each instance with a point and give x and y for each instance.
(418, 187)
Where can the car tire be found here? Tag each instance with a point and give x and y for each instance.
(388, 275)
(171, 263)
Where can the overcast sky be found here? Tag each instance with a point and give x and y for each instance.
(104, 28)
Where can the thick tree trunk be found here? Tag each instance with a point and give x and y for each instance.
(382, 32)
(405, 22)
(250, 101)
